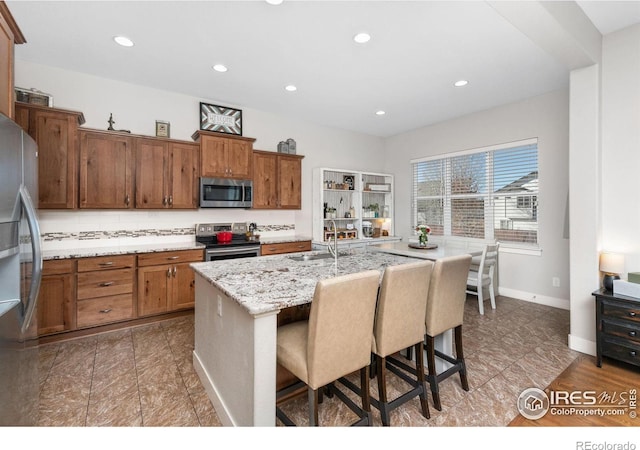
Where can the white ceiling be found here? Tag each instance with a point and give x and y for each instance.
(417, 51)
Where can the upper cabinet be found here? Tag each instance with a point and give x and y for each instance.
(166, 174)
(56, 133)
(10, 34)
(223, 155)
(277, 180)
(106, 169)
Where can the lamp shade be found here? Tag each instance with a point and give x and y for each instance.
(611, 263)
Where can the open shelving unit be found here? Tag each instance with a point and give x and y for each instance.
(360, 204)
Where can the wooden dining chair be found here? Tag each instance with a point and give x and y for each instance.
(481, 276)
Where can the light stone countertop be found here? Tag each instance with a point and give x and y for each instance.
(119, 250)
(283, 239)
(270, 283)
(403, 249)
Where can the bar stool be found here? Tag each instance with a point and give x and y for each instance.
(333, 343)
(399, 324)
(445, 311)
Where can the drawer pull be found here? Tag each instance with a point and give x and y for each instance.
(632, 353)
(105, 311)
(108, 263)
(632, 333)
(106, 284)
(632, 314)
(173, 258)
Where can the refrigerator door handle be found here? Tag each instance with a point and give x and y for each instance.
(36, 277)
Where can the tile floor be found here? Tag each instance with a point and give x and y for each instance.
(144, 376)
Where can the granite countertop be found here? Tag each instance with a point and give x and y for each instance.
(283, 239)
(270, 283)
(119, 250)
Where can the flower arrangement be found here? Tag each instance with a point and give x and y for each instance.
(423, 234)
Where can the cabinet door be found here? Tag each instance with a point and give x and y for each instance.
(153, 285)
(152, 190)
(213, 157)
(56, 304)
(105, 171)
(183, 288)
(183, 176)
(265, 181)
(290, 182)
(239, 158)
(6, 68)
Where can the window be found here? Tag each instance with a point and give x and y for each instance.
(488, 193)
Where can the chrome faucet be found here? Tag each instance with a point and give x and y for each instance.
(334, 249)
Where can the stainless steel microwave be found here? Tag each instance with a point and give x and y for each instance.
(225, 193)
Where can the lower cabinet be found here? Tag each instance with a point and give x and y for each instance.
(166, 282)
(105, 290)
(56, 308)
(285, 247)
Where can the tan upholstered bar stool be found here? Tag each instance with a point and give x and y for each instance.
(333, 343)
(445, 311)
(399, 324)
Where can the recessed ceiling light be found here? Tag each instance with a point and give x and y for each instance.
(361, 38)
(380, 113)
(124, 41)
(274, 2)
(220, 68)
(460, 83)
(291, 88)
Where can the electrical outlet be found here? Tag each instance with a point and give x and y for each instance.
(555, 282)
(219, 306)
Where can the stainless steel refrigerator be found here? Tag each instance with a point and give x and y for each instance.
(20, 275)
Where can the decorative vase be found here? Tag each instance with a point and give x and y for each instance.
(423, 239)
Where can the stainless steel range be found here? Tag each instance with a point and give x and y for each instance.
(219, 245)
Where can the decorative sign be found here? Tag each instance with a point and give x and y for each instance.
(220, 119)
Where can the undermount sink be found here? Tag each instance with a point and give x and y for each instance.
(311, 257)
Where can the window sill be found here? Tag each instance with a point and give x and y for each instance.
(529, 251)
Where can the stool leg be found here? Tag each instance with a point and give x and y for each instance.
(433, 376)
(460, 358)
(313, 406)
(382, 389)
(364, 386)
(420, 372)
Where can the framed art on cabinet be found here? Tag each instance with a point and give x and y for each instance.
(220, 119)
(162, 129)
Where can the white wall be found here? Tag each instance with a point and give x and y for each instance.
(136, 108)
(546, 117)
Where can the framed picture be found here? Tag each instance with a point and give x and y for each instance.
(162, 129)
(220, 119)
(348, 180)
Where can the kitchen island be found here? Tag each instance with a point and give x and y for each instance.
(237, 303)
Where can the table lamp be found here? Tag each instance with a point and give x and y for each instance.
(612, 264)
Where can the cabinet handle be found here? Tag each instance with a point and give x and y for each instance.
(108, 263)
(171, 200)
(127, 200)
(632, 333)
(105, 311)
(300, 246)
(173, 258)
(106, 284)
(164, 201)
(632, 314)
(175, 269)
(632, 353)
(169, 272)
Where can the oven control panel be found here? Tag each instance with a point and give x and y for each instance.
(211, 229)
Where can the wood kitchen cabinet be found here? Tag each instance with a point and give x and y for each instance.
(106, 170)
(10, 35)
(56, 133)
(56, 307)
(224, 156)
(166, 174)
(105, 290)
(166, 282)
(277, 180)
(285, 247)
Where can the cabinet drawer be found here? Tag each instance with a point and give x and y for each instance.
(57, 266)
(619, 310)
(98, 311)
(625, 330)
(159, 258)
(621, 350)
(106, 262)
(285, 247)
(104, 283)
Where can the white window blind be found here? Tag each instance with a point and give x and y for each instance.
(489, 193)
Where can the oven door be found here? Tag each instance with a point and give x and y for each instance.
(225, 193)
(218, 254)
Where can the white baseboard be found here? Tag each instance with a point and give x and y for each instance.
(582, 345)
(535, 298)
